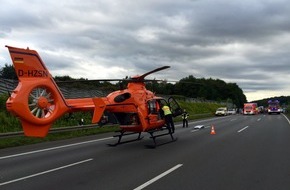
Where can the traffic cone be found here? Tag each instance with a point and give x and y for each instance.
(212, 132)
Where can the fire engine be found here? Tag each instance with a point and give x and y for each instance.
(274, 107)
(250, 109)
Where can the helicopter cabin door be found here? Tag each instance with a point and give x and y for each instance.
(154, 117)
(175, 108)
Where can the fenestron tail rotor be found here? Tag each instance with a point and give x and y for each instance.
(41, 102)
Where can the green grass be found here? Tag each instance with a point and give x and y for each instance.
(199, 110)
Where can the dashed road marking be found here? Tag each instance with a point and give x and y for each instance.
(53, 148)
(243, 129)
(158, 177)
(45, 172)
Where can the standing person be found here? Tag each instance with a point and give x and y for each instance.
(81, 122)
(168, 118)
(184, 118)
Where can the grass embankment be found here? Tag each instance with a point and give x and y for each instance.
(199, 110)
(10, 124)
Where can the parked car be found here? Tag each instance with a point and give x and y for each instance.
(232, 111)
(221, 111)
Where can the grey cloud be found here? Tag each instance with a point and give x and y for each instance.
(245, 42)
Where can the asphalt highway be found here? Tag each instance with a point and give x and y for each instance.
(245, 153)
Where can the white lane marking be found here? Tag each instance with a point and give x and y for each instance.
(259, 119)
(45, 172)
(286, 118)
(243, 129)
(53, 148)
(158, 177)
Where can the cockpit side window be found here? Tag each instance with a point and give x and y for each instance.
(152, 106)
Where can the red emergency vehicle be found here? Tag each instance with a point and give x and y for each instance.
(274, 107)
(250, 109)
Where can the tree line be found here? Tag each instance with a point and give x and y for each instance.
(190, 87)
(283, 100)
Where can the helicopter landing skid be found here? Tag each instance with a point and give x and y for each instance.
(151, 132)
(123, 133)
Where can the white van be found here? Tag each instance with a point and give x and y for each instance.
(221, 111)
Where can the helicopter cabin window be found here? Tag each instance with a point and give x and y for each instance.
(122, 97)
(153, 106)
(134, 120)
(127, 118)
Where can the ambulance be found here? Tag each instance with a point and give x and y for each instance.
(250, 109)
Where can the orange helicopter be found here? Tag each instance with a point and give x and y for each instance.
(37, 101)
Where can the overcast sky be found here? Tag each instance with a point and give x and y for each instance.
(244, 42)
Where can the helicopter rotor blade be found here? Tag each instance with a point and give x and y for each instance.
(134, 79)
(141, 78)
(89, 80)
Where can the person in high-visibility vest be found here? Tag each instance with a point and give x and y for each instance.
(168, 118)
(184, 118)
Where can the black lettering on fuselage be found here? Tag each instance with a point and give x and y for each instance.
(32, 73)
